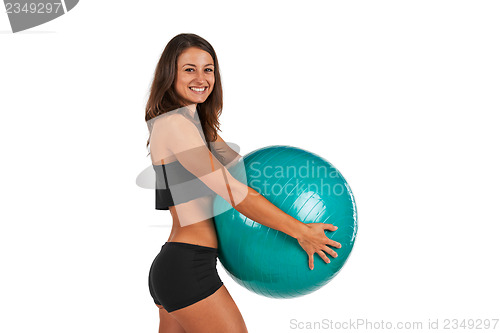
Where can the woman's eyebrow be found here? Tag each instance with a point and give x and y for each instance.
(195, 65)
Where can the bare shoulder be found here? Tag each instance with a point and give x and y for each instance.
(166, 128)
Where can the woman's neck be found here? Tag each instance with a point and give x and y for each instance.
(192, 108)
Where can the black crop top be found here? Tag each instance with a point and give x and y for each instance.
(192, 187)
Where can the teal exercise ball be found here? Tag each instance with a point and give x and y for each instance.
(269, 262)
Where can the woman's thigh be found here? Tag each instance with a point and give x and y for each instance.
(168, 324)
(216, 313)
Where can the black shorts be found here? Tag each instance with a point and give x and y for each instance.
(183, 274)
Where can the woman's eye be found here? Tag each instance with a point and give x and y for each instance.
(192, 69)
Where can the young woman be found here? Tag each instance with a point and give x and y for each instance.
(182, 115)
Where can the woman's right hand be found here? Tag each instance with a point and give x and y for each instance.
(313, 240)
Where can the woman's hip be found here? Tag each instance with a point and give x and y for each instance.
(183, 273)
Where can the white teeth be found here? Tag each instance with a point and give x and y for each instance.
(197, 89)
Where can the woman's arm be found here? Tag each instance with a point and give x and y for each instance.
(183, 139)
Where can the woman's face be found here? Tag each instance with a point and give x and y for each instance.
(195, 75)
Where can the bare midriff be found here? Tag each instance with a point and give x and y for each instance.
(200, 233)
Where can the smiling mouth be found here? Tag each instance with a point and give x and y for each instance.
(198, 89)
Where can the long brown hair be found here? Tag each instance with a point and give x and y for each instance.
(163, 97)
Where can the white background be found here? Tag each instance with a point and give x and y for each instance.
(401, 96)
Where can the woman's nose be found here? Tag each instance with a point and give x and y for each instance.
(200, 77)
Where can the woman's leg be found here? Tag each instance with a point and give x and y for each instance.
(216, 313)
(168, 324)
